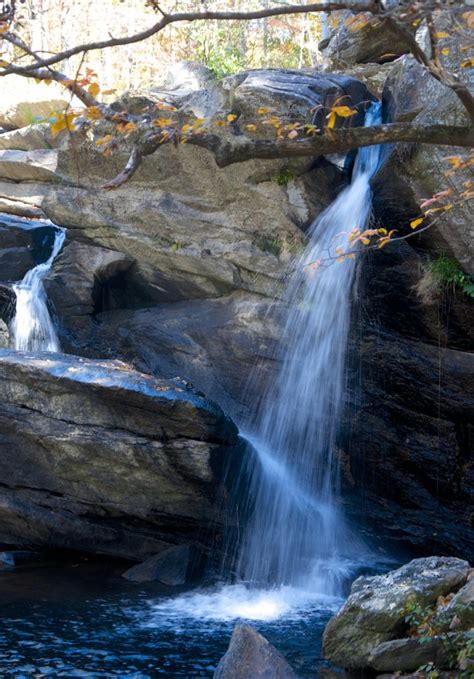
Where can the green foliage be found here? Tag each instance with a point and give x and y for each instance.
(220, 52)
(284, 177)
(446, 272)
(273, 245)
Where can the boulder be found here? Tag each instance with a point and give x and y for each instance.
(375, 610)
(360, 39)
(407, 655)
(100, 458)
(458, 614)
(173, 566)
(251, 656)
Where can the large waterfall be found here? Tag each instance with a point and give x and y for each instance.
(297, 534)
(32, 328)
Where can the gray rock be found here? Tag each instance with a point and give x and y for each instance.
(98, 457)
(4, 335)
(361, 39)
(374, 611)
(411, 93)
(171, 567)
(407, 655)
(251, 656)
(459, 613)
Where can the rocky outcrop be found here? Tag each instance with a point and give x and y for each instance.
(100, 458)
(251, 656)
(360, 39)
(370, 628)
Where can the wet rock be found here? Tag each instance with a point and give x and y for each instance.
(173, 566)
(251, 656)
(97, 457)
(374, 611)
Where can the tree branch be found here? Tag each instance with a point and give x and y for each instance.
(370, 6)
(239, 149)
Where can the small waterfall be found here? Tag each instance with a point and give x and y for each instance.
(297, 535)
(32, 328)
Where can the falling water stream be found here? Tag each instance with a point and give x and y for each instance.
(297, 552)
(32, 328)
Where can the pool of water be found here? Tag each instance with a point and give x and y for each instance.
(84, 620)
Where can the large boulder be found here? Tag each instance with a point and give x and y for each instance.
(251, 656)
(376, 608)
(100, 458)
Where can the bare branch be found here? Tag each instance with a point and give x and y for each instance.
(370, 6)
(239, 149)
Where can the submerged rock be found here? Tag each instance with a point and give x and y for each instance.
(251, 656)
(97, 457)
(173, 566)
(375, 610)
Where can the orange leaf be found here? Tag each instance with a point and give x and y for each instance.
(94, 89)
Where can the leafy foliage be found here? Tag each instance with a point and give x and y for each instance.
(447, 273)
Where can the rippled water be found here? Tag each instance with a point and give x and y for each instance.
(83, 620)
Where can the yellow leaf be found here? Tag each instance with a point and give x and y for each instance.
(198, 122)
(219, 123)
(445, 51)
(364, 241)
(94, 113)
(104, 140)
(292, 134)
(251, 128)
(58, 127)
(416, 222)
(468, 63)
(130, 127)
(3, 27)
(94, 89)
(441, 34)
(343, 111)
(469, 18)
(263, 111)
(231, 117)
(186, 128)
(106, 92)
(332, 120)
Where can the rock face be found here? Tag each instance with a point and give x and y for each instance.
(375, 611)
(250, 656)
(361, 39)
(179, 272)
(97, 457)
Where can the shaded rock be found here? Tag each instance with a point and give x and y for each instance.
(407, 436)
(459, 612)
(411, 93)
(100, 458)
(173, 566)
(80, 284)
(4, 335)
(251, 656)
(9, 560)
(214, 343)
(374, 611)
(405, 655)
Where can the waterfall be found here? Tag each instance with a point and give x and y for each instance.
(32, 328)
(297, 535)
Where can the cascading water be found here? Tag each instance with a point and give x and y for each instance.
(32, 328)
(297, 535)
(297, 549)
